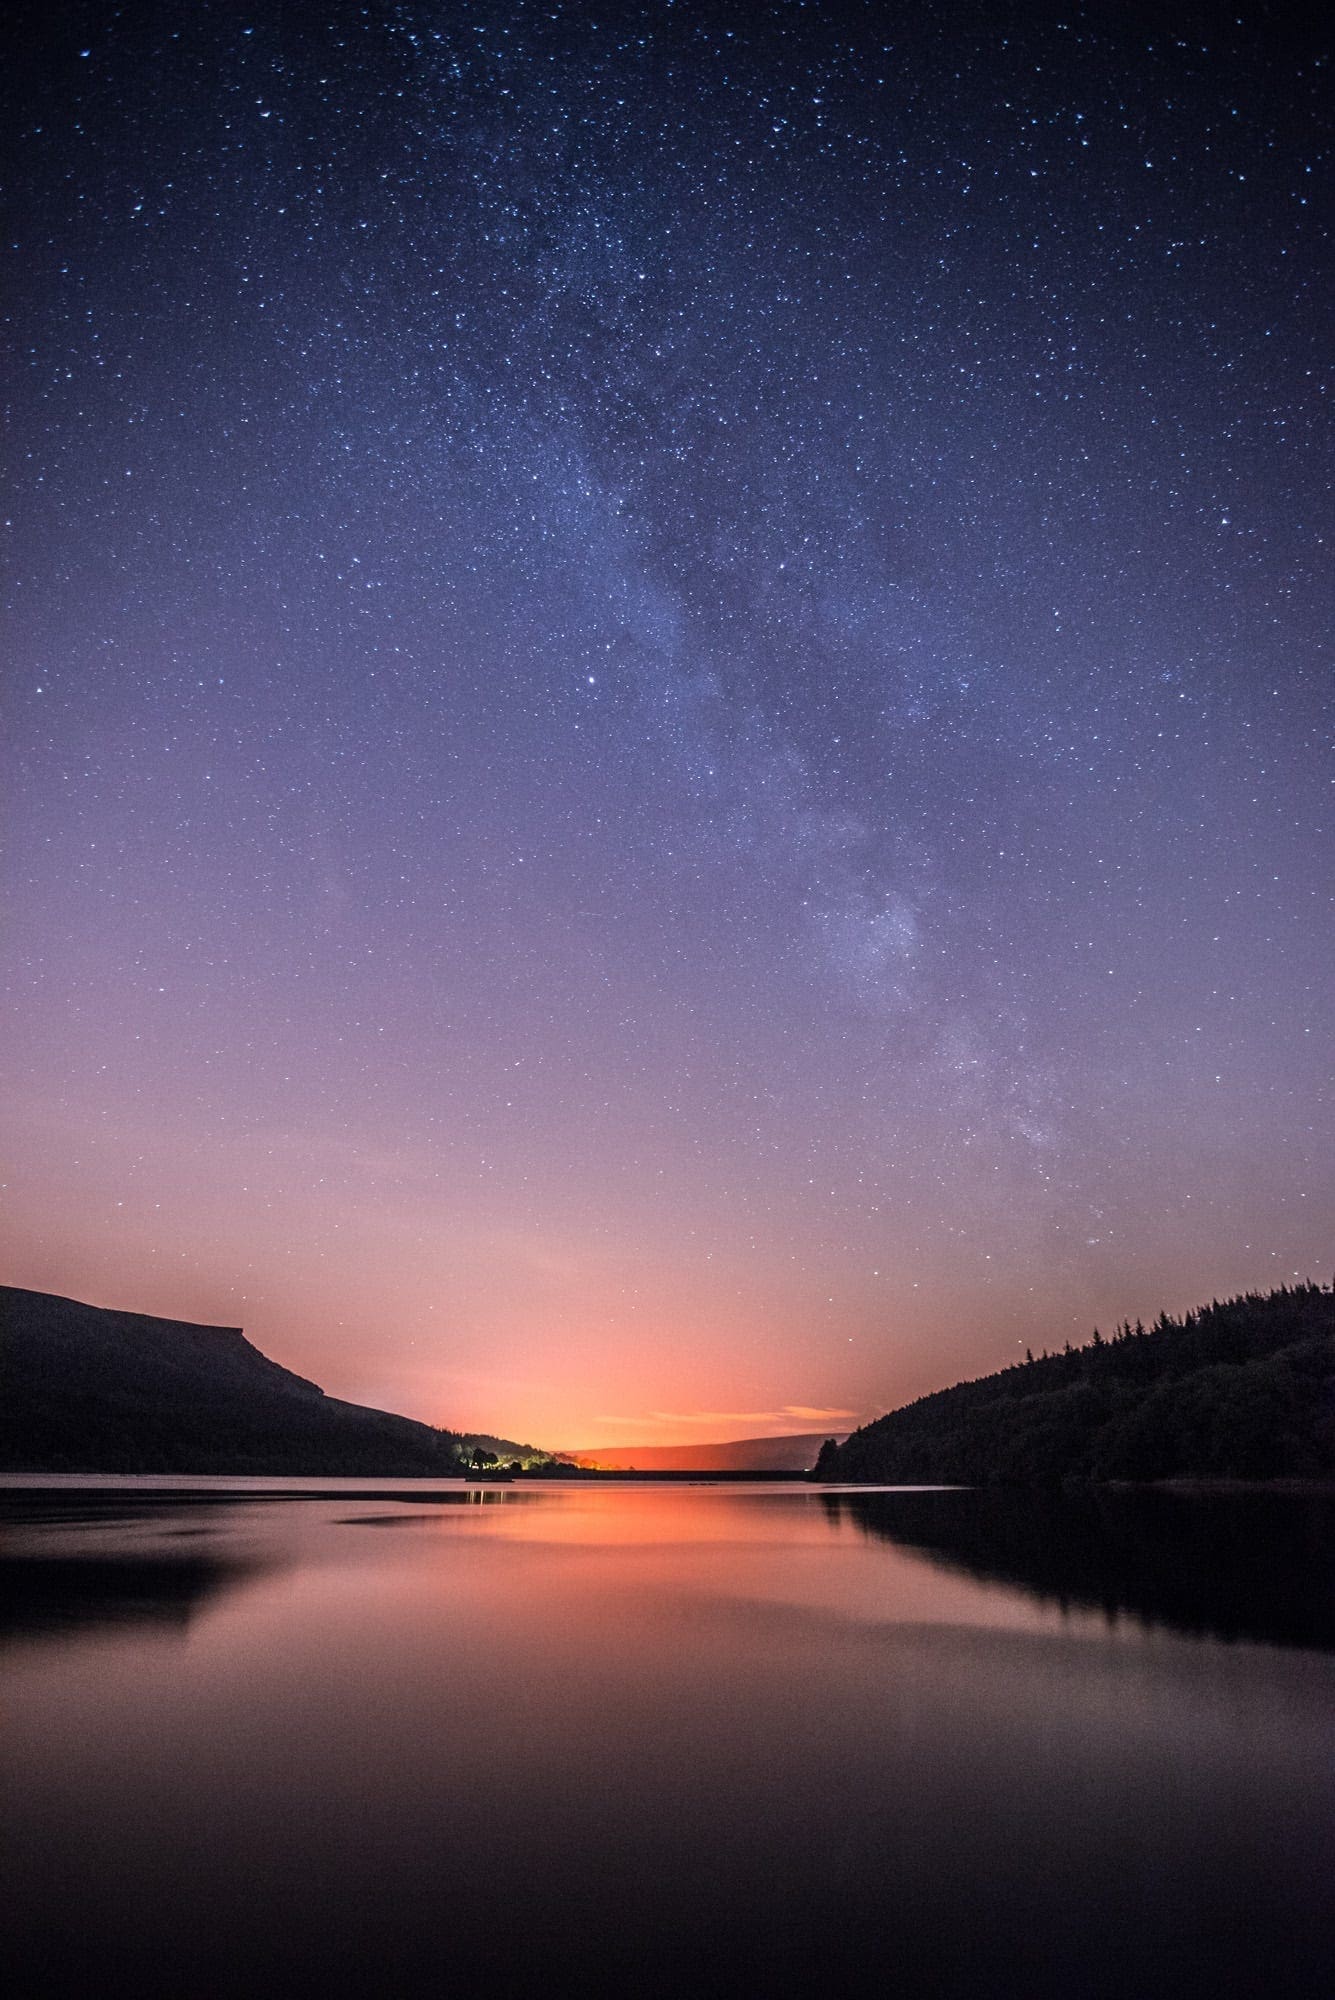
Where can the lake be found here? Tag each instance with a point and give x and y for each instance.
(388, 1738)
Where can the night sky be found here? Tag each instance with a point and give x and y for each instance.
(664, 683)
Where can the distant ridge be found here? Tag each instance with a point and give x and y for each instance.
(86, 1389)
(1239, 1390)
(776, 1454)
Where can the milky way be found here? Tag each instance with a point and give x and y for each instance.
(665, 690)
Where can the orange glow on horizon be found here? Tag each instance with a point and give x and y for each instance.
(654, 1325)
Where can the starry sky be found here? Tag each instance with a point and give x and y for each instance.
(665, 712)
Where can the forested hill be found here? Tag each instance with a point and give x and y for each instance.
(84, 1389)
(1239, 1390)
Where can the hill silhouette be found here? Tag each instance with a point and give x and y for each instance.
(1239, 1390)
(84, 1389)
(795, 1453)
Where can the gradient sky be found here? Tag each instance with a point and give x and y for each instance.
(664, 690)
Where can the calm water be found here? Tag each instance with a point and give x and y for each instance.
(685, 1741)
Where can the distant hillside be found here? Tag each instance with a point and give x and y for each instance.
(1242, 1390)
(780, 1454)
(83, 1389)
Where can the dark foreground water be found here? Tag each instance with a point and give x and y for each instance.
(666, 1741)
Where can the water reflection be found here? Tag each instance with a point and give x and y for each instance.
(70, 1565)
(663, 1742)
(56, 1598)
(1234, 1565)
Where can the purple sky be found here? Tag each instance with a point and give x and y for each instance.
(664, 692)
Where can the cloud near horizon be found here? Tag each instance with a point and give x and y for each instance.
(759, 1421)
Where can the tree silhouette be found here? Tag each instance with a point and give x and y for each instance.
(1239, 1390)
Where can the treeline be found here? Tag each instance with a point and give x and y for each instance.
(1243, 1389)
